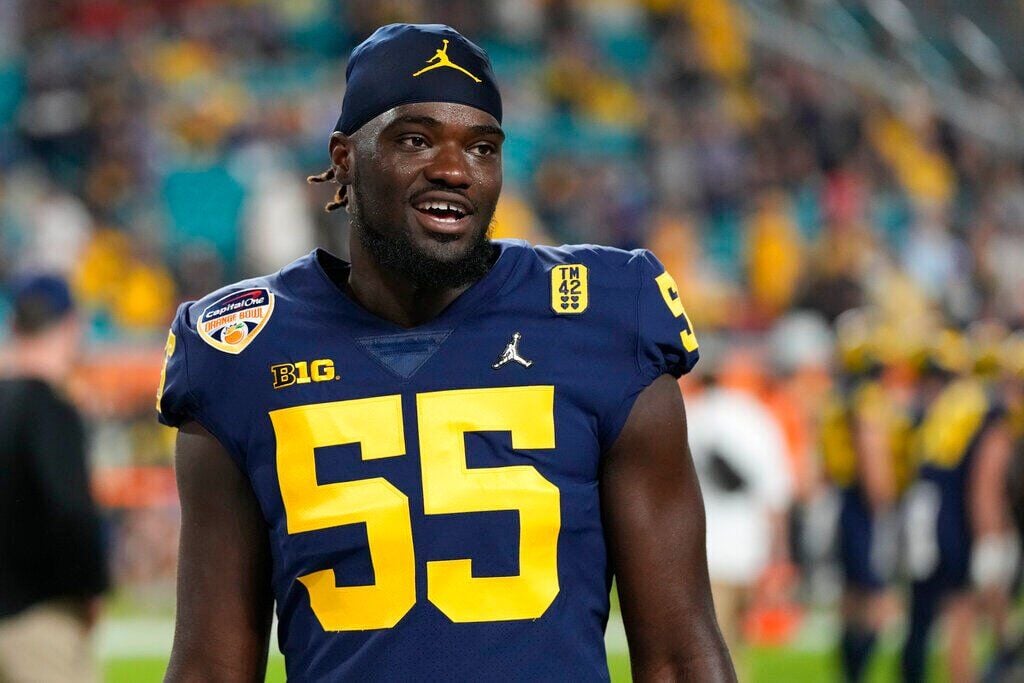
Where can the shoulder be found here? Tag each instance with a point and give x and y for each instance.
(38, 402)
(37, 392)
(256, 291)
(26, 388)
(617, 276)
(869, 396)
(230, 318)
(967, 394)
(29, 389)
(625, 294)
(605, 259)
(204, 350)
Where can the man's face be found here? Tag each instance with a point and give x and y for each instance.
(425, 181)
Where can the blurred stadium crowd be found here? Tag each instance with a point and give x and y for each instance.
(153, 150)
(162, 145)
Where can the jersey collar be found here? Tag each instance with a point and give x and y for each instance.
(307, 280)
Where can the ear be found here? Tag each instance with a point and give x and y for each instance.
(342, 149)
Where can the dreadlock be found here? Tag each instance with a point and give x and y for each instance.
(340, 197)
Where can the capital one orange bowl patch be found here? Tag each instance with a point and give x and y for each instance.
(231, 322)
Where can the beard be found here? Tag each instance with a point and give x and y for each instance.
(395, 251)
(398, 254)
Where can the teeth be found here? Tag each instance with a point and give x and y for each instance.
(441, 206)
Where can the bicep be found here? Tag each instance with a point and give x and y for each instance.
(654, 524)
(987, 503)
(222, 626)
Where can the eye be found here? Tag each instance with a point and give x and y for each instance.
(484, 149)
(413, 141)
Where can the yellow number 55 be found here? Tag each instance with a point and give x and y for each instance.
(449, 486)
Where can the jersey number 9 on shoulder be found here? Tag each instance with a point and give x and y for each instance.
(449, 486)
(670, 293)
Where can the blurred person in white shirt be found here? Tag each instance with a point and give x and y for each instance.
(739, 452)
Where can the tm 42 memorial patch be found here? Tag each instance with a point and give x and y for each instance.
(231, 322)
(569, 291)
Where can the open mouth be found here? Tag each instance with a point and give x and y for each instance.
(443, 211)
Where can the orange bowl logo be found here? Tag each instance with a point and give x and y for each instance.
(235, 333)
(232, 322)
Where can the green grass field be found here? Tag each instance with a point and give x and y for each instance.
(763, 665)
(134, 643)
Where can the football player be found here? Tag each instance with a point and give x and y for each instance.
(435, 457)
(960, 546)
(1007, 661)
(864, 437)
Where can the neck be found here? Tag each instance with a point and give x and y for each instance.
(391, 296)
(35, 359)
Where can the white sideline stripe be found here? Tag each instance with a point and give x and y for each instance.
(139, 637)
(132, 637)
(120, 638)
(136, 637)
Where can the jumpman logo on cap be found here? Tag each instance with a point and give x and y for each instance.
(440, 59)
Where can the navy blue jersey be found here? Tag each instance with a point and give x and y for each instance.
(950, 432)
(856, 538)
(938, 530)
(431, 494)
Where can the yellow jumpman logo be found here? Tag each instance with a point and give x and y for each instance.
(440, 59)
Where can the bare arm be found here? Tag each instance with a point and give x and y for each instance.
(222, 626)
(989, 509)
(874, 462)
(993, 556)
(654, 523)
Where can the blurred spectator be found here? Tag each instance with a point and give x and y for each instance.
(186, 129)
(54, 566)
(276, 225)
(739, 453)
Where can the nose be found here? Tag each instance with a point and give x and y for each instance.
(448, 167)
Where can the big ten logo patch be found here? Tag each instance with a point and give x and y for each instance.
(569, 289)
(303, 372)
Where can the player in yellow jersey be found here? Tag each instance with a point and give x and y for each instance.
(863, 442)
(959, 550)
(1008, 661)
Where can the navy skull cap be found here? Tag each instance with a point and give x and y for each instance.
(406, 63)
(39, 300)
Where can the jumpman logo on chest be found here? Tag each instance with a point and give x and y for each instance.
(511, 354)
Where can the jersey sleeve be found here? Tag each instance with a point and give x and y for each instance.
(183, 395)
(175, 404)
(666, 342)
(665, 339)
